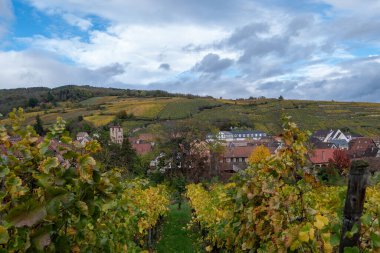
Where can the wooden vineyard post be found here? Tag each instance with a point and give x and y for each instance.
(353, 208)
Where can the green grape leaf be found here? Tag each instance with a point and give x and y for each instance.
(4, 171)
(351, 250)
(4, 236)
(375, 240)
(334, 241)
(27, 214)
(48, 164)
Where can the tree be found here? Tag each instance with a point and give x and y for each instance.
(181, 143)
(121, 156)
(33, 102)
(124, 115)
(259, 154)
(280, 97)
(38, 127)
(340, 162)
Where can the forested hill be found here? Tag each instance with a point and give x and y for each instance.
(37, 96)
(150, 110)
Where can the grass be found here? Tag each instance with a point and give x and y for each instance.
(176, 238)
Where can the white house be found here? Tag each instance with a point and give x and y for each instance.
(83, 137)
(329, 135)
(237, 135)
(116, 134)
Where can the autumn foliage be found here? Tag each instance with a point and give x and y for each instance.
(277, 206)
(259, 154)
(55, 197)
(340, 162)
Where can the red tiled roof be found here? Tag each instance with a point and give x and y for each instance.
(133, 139)
(321, 156)
(362, 147)
(142, 148)
(244, 152)
(146, 137)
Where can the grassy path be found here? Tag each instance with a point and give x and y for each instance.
(175, 237)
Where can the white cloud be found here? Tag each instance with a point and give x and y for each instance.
(367, 7)
(32, 68)
(142, 48)
(153, 11)
(6, 16)
(83, 24)
(267, 48)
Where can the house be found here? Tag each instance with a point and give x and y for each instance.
(362, 147)
(269, 143)
(320, 157)
(142, 144)
(83, 138)
(236, 158)
(377, 141)
(221, 136)
(374, 163)
(248, 134)
(146, 137)
(329, 135)
(142, 148)
(237, 135)
(341, 144)
(318, 144)
(161, 164)
(116, 134)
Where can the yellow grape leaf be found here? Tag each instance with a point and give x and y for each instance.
(303, 236)
(328, 248)
(311, 234)
(295, 245)
(320, 221)
(326, 237)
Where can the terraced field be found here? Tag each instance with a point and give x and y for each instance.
(184, 108)
(264, 114)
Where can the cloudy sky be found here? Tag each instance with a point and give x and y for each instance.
(316, 49)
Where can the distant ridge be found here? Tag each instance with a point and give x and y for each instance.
(20, 97)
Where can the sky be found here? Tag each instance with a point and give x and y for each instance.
(315, 49)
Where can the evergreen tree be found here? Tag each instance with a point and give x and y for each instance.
(33, 102)
(38, 127)
(123, 156)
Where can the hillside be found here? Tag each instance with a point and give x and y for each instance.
(99, 106)
(41, 96)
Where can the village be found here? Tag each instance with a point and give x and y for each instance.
(238, 145)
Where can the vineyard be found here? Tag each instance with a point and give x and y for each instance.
(56, 198)
(275, 206)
